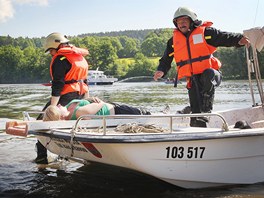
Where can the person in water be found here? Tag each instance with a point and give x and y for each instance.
(94, 106)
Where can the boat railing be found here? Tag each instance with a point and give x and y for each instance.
(115, 120)
(26, 114)
(170, 117)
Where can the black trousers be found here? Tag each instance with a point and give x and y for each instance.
(129, 110)
(201, 94)
(203, 85)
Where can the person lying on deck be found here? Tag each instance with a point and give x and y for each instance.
(93, 106)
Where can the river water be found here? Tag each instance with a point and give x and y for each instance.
(21, 177)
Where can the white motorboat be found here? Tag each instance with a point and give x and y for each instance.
(164, 146)
(97, 77)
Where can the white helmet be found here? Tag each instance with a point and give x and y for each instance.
(184, 11)
(54, 40)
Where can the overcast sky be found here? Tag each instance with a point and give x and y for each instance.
(36, 18)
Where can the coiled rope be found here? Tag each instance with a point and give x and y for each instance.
(139, 128)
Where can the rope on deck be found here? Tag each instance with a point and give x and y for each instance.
(128, 128)
(139, 128)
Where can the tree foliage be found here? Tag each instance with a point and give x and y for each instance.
(121, 54)
(233, 62)
(141, 67)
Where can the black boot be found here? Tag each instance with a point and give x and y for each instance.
(198, 122)
(166, 110)
(144, 111)
(185, 110)
(41, 154)
(207, 102)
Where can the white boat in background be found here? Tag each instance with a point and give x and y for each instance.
(165, 146)
(97, 77)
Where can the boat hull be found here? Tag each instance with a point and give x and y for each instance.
(189, 157)
(192, 163)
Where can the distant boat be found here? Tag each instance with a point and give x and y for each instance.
(169, 81)
(172, 81)
(97, 77)
(47, 84)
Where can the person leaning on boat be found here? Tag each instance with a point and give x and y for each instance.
(192, 46)
(68, 70)
(92, 106)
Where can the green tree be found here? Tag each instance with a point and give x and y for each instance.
(233, 62)
(155, 42)
(116, 43)
(35, 65)
(142, 66)
(6, 40)
(76, 41)
(129, 47)
(102, 52)
(22, 60)
(107, 56)
(10, 61)
(153, 47)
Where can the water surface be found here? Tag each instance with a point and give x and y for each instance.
(21, 177)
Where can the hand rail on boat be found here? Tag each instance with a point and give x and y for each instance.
(105, 117)
(254, 35)
(26, 115)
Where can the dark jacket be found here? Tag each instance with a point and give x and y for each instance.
(60, 68)
(217, 39)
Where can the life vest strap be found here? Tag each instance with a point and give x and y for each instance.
(81, 92)
(190, 61)
(74, 81)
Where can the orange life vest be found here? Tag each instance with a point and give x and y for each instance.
(76, 78)
(193, 55)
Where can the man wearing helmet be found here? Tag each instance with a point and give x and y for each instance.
(68, 70)
(192, 46)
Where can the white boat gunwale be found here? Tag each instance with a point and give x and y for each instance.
(170, 116)
(67, 129)
(149, 138)
(104, 122)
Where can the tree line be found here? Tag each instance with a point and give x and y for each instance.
(120, 54)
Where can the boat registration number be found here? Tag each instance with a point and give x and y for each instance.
(184, 152)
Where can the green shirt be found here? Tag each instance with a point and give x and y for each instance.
(80, 103)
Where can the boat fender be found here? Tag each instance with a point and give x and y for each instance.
(17, 128)
(242, 124)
